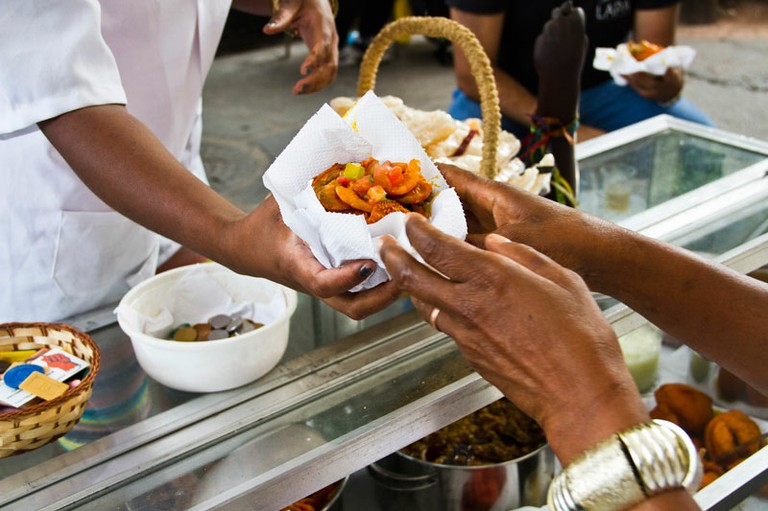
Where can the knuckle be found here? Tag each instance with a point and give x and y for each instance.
(406, 278)
(430, 248)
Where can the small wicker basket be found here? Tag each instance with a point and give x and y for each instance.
(33, 426)
(479, 63)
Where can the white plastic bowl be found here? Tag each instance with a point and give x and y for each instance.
(208, 366)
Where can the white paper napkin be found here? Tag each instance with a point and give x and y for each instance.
(620, 62)
(195, 298)
(368, 129)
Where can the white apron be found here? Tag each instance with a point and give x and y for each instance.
(64, 251)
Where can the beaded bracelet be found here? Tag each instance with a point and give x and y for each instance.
(629, 467)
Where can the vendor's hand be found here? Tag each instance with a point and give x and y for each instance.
(314, 23)
(658, 88)
(271, 250)
(528, 325)
(570, 237)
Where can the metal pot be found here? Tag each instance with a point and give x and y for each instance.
(404, 482)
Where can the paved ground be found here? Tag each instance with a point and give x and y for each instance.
(250, 114)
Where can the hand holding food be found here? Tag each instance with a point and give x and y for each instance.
(567, 235)
(537, 318)
(365, 165)
(642, 57)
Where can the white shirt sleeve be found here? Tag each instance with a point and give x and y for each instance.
(53, 60)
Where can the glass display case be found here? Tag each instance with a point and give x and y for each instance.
(349, 393)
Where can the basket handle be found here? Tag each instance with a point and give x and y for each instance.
(479, 63)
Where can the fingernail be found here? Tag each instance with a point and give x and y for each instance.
(365, 271)
(271, 23)
(302, 88)
(310, 69)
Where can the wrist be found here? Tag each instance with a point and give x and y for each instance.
(616, 408)
(638, 463)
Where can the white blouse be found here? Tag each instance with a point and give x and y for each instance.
(64, 251)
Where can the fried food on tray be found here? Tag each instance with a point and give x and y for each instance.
(373, 189)
(720, 434)
(684, 405)
(317, 501)
(643, 49)
(728, 430)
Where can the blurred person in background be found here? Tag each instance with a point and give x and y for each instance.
(508, 29)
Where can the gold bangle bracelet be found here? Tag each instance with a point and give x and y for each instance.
(629, 467)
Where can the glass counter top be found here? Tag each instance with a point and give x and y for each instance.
(650, 163)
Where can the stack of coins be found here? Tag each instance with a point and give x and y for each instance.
(221, 326)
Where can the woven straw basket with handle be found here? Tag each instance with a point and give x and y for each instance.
(479, 64)
(37, 424)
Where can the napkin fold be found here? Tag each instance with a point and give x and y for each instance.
(620, 62)
(368, 129)
(195, 298)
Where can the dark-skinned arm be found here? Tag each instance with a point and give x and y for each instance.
(711, 308)
(123, 163)
(531, 328)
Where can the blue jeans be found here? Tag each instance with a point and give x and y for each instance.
(606, 106)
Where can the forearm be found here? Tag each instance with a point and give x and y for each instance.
(123, 163)
(716, 311)
(657, 25)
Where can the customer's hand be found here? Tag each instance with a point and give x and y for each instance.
(658, 88)
(570, 237)
(268, 248)
(528, 325)
(314, 23)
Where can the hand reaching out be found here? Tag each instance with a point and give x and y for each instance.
(313, 21)
(526, 324)
(567, 235)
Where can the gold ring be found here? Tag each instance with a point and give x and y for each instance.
(433, 318)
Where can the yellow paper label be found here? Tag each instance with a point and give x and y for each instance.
(16, 356)
(43, 386)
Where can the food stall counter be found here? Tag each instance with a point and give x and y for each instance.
(349, 393)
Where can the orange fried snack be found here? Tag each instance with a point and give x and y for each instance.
(373, 189)
(684, 405)
(711, 472)
(728, 430)
(715, 434)
(315, 502)
(643, 49)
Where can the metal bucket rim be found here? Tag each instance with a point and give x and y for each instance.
(442, 466)
(336, 496)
